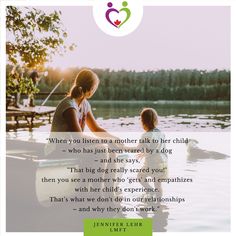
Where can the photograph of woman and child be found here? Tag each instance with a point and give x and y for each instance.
(168, 79)
(74, 112)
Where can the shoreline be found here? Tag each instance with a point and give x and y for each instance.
(167, 102)
(158, 102)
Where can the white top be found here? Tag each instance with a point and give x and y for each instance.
(59, 123)
(159, 158)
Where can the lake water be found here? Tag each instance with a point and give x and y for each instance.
(173, 116)
(207, 204)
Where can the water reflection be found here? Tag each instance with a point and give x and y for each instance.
(115, 109)
(174, 116)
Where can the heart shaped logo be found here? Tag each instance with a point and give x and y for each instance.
(117, 17)
(118, 23)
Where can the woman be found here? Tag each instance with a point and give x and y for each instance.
(74, 111)
(70, 117)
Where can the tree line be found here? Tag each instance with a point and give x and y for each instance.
(148, 85)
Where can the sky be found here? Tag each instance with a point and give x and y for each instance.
(167, 38)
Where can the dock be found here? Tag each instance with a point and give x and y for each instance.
(24, 117)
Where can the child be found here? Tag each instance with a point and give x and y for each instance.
(155, 160)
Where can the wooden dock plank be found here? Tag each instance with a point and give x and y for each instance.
(28, 114)
(37, 110)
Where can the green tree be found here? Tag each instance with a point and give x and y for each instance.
(34, 36)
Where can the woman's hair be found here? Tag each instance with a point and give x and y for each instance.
(149, 118)
(85, 81)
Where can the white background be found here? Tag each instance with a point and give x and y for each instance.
(3, 3)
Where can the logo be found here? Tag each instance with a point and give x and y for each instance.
(111, 10)
(118, 17)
